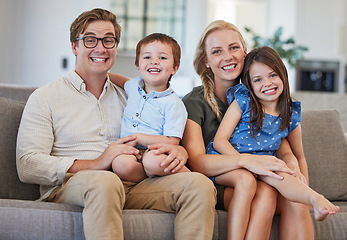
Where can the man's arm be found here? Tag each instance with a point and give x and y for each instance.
(35, 140)
(104, 161)
(47, 151)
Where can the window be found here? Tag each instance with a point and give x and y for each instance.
(139, 18)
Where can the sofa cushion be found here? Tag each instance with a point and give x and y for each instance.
(18, 92)
(12, 187)
(20, 219)
(325, 149)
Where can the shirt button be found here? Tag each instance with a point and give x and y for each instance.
(137, 114)
(144, 97)
(134, 125)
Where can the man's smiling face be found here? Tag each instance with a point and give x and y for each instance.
(99, 60)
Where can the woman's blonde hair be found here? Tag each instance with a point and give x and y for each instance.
(206, 74)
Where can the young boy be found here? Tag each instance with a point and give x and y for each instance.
(154, 113)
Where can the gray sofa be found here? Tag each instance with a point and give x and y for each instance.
(21, 217)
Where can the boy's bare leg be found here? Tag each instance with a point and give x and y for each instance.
(151, 163)
(128, 168)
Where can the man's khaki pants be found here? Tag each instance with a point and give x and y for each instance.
(103, 195)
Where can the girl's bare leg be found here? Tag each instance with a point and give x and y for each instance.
(262, 212)
(239, 205)
(296, 191)
(298, 217)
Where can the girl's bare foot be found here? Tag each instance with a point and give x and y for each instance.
(323, 207)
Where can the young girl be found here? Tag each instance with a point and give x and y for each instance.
(262, 114)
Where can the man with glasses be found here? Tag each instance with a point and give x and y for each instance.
(69, 136)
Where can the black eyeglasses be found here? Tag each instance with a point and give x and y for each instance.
(91, 42)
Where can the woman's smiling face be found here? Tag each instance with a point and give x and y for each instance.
(225, 54)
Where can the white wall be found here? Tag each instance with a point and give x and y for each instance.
(186, 78)
(7, 45)
(37, 38)
(319, 27)
(323, 29)
(36, 34)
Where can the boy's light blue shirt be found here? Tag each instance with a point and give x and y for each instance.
(155, 113)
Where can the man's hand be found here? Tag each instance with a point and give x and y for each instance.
(122, 146)
(176, 156)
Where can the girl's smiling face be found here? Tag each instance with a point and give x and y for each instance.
(225, 54)
(265, 82)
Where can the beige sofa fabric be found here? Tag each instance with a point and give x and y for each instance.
(326, 153)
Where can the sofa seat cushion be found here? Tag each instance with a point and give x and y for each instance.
(25, 220)
(325, 149)
(20, 219)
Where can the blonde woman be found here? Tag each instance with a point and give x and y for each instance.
(219, 61)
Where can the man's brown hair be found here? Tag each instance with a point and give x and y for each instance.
(84, 19)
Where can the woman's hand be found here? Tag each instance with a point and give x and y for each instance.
(176, 156)
(265, 165)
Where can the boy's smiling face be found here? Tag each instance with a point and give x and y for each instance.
(156, 65)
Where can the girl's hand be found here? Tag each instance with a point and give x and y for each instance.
(176, 156)
(300, 176)
(297, 173)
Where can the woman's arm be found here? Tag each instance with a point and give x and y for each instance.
(117, 79)
(226, 128)
(216, 164)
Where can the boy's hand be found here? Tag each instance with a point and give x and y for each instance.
(130, 140)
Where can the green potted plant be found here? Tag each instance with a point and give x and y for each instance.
(285, 48)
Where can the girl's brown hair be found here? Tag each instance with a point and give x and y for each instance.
(269, 57)
(206, 74)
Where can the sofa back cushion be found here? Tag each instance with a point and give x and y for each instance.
(10, 185)
(325, 149)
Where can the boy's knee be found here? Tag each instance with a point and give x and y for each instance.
(151, 163)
